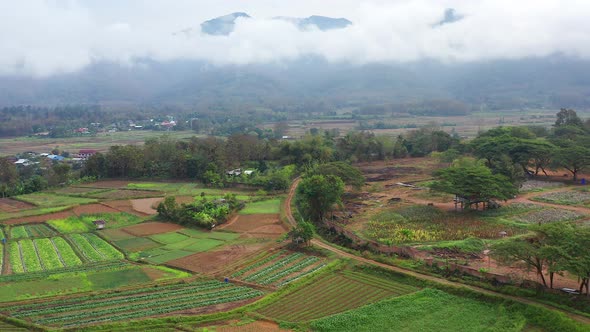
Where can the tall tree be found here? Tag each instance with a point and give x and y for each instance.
(317, 194)
(568, 117)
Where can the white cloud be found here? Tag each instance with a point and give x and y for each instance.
(44, 37)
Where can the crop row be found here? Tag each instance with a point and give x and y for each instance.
(29, 254)
(85, 248)
(292, 269)
(68, 301)
(143, 306)
(301, 275)
(1, 257)
(121, 300)
(19, 232)
(16, 262)
(104, 248)
(66, 252)
(47, 253)
(257, 264)
(275, 266)
(170, 308)
(374, 281)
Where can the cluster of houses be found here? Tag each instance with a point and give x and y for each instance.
(33, 158)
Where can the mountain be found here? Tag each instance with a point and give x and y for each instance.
(223, 25)
(323, 23)
(555, 81)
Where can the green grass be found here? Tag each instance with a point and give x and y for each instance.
(196, 245)
(427, 310)
(169, 238)
(263, 207)
(136, 244)
(15, 261)
(218, 235)
(165, 256)
(53, 200)
(32, 212)
(70, 283)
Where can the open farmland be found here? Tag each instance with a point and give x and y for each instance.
(279, 268)
(426, 310)
(333, 293)
(130, 304)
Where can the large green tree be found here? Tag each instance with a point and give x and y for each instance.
(473, 182)
(574, 158)
(317, 194)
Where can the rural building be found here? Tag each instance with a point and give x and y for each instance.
(55, 157)
(86, 153)
(100, 224)
(23, 162)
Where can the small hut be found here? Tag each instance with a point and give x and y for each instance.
(100, 224)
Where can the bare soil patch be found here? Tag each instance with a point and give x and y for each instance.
(12, 205)
(214, 262)
(154, 274)
(146, 205)
(257, 326)
(39, 218)
(249, 223)
(93, 209)
(127, 194)
(151, 228)
(123, 206)
(110, 184)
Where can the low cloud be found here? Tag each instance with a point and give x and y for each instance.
(46, 37)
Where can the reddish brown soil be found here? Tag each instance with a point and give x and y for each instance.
(146, 205)
(151, 228)
(93, 208)
(257, 326)
(12, 205)
(251, 223)
(107, 184)
(154, 274)
(38, 219)
(213, 308)
(213, 262)
(127, 194)
(123, 206)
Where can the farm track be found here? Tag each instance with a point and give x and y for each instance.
(316, 242)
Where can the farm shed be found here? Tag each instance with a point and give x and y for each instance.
(100, 224)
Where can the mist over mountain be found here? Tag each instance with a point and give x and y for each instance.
(554, 81)
(224, 25)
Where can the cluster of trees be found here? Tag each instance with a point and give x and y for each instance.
(512, 154)
(551, 249)
(34, 177)
(534, 150)
(202, 212)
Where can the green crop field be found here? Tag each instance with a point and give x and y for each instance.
(30, 259)
(427, 310)
(135, 303)
(331, 294)
(160, 255)
(196, 245)
(53, 200)
(19, 232)
(262, 207)
(33, 231)
(84, 223)
(93, 248)
(49, 257)
(135, 244)
(66, 252)
(169, 238)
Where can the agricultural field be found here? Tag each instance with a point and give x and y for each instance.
(333, 293)
(279, 268)
(425, 310)
(169, 246)
(52, 200)
(574, 197)
(84, 222)
(418, 224)
(92, 248)
(104, 275)
(131, 304)
(31, 231)
(262, 207)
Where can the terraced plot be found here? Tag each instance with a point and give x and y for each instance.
(33, 255)
(93, 249)
(332, 294)
(130, 304)
(279, 269)
(31, 231)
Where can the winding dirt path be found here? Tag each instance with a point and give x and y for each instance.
(316, 242)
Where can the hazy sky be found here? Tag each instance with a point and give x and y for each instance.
(45, 37)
